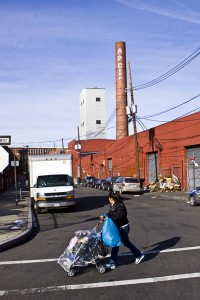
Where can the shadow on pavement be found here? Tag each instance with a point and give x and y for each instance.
(150, 254)
(161, 246)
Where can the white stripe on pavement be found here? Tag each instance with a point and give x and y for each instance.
(17, 262)
(98, 285)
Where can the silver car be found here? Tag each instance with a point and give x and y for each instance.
(126, 184)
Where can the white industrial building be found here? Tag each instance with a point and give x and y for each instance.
(92, 114)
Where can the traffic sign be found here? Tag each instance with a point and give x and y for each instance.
(5, 140)
(4, 159)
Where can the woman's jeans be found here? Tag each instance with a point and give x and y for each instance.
(125, 240)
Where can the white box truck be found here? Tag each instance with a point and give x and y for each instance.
(51, 181)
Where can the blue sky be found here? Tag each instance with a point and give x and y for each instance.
(51, 50)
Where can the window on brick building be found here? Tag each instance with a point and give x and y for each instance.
(109, 164)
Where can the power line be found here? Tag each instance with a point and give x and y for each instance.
(149, 116)
(174, 120)
(171, 72)
(172, 108)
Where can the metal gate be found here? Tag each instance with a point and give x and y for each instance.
(193, 167)
(152, 167)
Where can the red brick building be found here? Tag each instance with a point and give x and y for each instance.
(163, 150)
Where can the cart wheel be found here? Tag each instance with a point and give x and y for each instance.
(71, 273)
(101, 269)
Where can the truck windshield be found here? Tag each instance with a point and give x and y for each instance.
(54, 180)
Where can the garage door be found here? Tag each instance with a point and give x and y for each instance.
(193, 169)
(152, 167)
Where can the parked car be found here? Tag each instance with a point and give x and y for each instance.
(127, 184)
(99, 184)
(194, 196)
(91, 182)
(108, 183)
(86, 180)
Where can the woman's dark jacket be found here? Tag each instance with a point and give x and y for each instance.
(118, 214)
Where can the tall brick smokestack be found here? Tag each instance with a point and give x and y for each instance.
(121, 87)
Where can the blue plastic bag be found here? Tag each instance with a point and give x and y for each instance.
(110, 233)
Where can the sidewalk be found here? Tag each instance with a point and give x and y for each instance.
(15, 220)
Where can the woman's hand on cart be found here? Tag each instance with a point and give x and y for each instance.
(102, 217)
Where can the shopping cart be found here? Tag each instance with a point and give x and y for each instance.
(85, 248)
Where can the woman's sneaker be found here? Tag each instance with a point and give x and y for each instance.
(139, 259)
(110, 266)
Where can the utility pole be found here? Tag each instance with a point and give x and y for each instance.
(133, 114)
(79, 149)
(15, 175)
(63, 148)
(27, 169)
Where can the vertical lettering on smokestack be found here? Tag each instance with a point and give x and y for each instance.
(121, 90)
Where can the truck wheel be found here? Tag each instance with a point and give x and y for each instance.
(72, 208)
(193, 201)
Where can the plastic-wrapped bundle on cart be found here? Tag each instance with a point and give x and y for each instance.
(82, 249)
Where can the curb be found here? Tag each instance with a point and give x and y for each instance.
(21, 237)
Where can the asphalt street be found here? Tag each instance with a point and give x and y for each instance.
(165, 227)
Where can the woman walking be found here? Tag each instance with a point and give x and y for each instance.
(118, 214)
